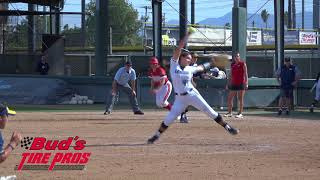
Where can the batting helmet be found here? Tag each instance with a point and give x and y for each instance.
(154, 60)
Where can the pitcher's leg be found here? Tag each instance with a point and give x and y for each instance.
(176, 110)
(198, 102)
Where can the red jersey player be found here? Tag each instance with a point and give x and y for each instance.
(160, 85)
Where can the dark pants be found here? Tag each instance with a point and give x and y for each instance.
(112, 99)
(286, 92)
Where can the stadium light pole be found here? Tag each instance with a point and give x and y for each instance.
(83, 22)
(101, 37)
(279, 32)
(157, 28)
(31, 30)
(183, 18)
(239, 28)
(192, 12)
(302, 15)
(316, 16)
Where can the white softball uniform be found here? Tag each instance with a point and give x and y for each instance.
(186, 94)
(163, 93)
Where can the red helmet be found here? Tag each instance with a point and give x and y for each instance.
(154, 60)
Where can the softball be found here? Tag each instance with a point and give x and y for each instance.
(191, 30)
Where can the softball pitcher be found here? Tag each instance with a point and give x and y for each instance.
(160, 85)
(186, 95)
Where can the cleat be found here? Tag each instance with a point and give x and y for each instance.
(231, 130)
(240, 116)
(311, 109)
(184, 118)
(287, 112)
(106, 112)
(279, 112)
(228, 115)
(139, 112)
(153, 139)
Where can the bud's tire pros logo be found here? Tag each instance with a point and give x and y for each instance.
(47, 154)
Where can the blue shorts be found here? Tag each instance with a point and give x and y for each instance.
(1, 143)
(288, 93)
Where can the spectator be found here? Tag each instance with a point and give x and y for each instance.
(214, 73)
(43, 66)
(121, 81)
(15, 138)
(166, 66)
(237, 84)
(194, 61)
(288, 76)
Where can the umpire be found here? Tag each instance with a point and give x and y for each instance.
(288, 76)
(121, 82)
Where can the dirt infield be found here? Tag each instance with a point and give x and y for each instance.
(267, 147)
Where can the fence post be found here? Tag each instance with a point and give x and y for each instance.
(90, 66)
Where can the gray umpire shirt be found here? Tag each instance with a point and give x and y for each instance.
(123, 77)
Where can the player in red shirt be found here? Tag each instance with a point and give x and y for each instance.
(237, 84)
(160, 85)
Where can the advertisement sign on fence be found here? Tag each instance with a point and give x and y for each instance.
(307, 38)
(290, 37)
(206, 37)
(228, 37)
(167, 41)
(253, 37)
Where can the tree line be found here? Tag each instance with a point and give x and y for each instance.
(123, 19)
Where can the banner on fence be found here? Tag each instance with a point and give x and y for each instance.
(206, 37)
(253, 37)
(290, 37)
(307, 38)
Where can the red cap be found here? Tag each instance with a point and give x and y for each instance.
(154, 60)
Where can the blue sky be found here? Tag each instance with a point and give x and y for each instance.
(214, 8)
(204, 8)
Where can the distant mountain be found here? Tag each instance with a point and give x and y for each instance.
(227, 18)
(220, 21)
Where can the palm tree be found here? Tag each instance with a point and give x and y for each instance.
(265, 16)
